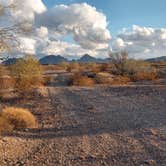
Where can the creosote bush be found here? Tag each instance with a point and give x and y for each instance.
(12, 118)
(120, 80)
(6, 82)
(27, 73)
(119, 60)
(73, 67)
(64, 65)
(80, 80)
(136, 70)
(139, 70)
(103, 78)
(105, 67)
(94, 67)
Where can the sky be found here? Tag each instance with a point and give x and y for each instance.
(125, 13)
(73, 28)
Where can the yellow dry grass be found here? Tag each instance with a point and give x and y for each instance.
(79, 80)
(13, 118)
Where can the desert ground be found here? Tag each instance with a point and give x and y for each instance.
(91, 126)
(82, 83)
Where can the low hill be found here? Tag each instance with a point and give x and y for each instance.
(158, 59)
(52, 59)
(89, 59)
(10, 61)
(86, 59)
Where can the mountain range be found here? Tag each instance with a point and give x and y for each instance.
(56, 59)
(52, 59)
(157, 59)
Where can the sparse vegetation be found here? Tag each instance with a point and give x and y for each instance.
(27, 73)
(47, 79)
(136, 70)
(6, 82)
(12, 118)
(5, 126)
(119, 62)
(139, 67)
(73, 67)
(81, 80)
(94, 67)
(103, 78)
(120, 80)
(64, 65)
(51, 67)
(105, 67)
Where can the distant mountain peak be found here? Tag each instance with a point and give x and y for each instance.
(56, 59)
(157, 59)
(52, 59)
(10, 61)
(87, 58)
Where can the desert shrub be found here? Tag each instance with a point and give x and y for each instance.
(134, 66)
(140, 76)
(27, 73)
(139, 70)
(73, 67)
(80, 80)
(17, 118)
(47, 79)
(51, 67)
(1, 70)
(64, 65)
(120, 80)
(6, 82)
(161, 73)
(104, 67)
(5, 126)
(103, 78)
(160, 68)
(119, 60)
(94, 67)
(134, 69)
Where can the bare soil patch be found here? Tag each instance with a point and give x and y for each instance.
(92, 126)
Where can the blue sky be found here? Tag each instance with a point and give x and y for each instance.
(135, 26)
(125, 13)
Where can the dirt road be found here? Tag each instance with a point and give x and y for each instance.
(113, 126)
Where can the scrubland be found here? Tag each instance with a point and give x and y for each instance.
(83, 114)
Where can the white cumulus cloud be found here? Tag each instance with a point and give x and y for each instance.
(84, 22)
(48, 28)
(142, 42)
(27, 45)
(23, 9)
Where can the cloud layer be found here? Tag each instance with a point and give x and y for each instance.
(142, 42)
(87, 28)
(82, 22)
(23, 9)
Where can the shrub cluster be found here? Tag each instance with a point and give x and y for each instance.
(78, 79)
(103, 78)
(136, 70)
(27, 73)
(6, 81)
(12, 118)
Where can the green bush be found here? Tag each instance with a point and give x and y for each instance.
(27, 73)
(134, 69)
(80, 80)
